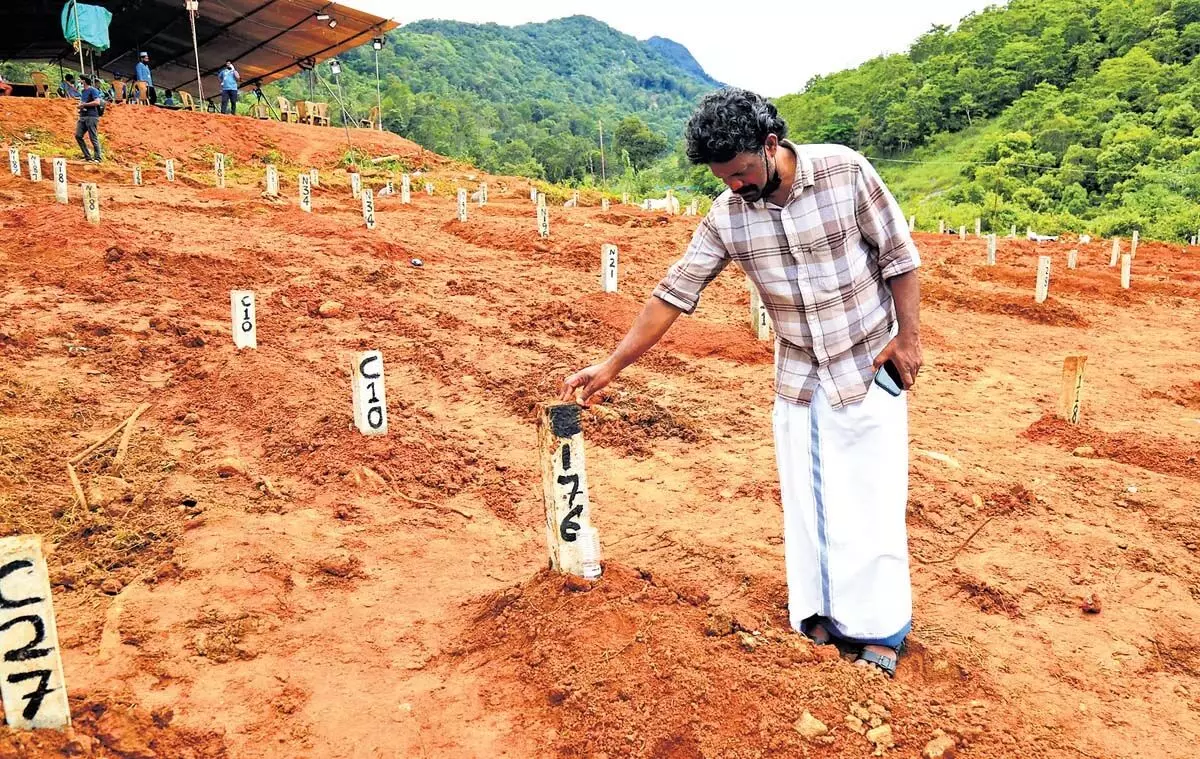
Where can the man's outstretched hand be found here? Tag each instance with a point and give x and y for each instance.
(585, 383)
(904, 350)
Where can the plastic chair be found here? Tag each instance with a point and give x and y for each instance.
(287, 111)
(372, 121)
(143, 93)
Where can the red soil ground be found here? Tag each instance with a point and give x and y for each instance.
(337, 596)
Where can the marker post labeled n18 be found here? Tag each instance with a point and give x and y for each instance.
(32, 685)
(245, 320)
(91, 202)
(370, 403)
(59, 167)
(35, 168)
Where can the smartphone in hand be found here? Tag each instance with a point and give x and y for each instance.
(888, 377)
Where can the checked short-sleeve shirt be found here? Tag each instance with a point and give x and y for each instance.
(821, 264)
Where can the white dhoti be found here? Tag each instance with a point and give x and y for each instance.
(843, 476)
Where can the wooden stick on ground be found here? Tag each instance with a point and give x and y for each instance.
(123, 448)
(956, 550)
(419, 502)
(77, 487)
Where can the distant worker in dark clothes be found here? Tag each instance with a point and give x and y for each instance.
(143, 75)
(229, 77)
(89, 119)
(67, 88)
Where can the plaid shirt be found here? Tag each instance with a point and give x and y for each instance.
(820, 263)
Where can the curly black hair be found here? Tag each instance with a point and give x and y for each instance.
(731, 121)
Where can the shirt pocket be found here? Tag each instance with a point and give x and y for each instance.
(821, 265)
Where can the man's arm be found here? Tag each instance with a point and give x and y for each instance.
(652, 323)
(905, 348)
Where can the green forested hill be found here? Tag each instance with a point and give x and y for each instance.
(1061, 114)
(527, 99)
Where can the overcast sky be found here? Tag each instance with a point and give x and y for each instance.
(770, 48)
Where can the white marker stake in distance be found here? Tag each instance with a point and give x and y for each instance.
(272, 180)
(543, 216)
(462, 204)
(170, 169)
(314, 177)
(14, 161)
(305, 193)
(1043, 279)
(219, 168)
(608, 270)
(356, 185)
(137, 176)
(32, 686)
(59, 167)
(368, 208)
(245, 320)
(35, 168)
(370, 404)
(405, 189)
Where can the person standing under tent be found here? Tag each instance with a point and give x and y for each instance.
(229, 77)
(90, 102)
(143, 75)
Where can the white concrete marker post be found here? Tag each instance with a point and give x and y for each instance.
(760, 322)
(483, 194)
(219, 168)
(14, 161)
(35, 167)
(272, 180)
(170, 169)
(962, 232)
(314, 177)
(305, 182)
(1072, 258)
(1116, 251)
(941, 226)
(356, 185)
(1126, 267)
(991, 250)
(978, 227)
(137, 176)
(1043, 279)
(405, 189)
(429, 188)
(91, 202)
(368, 208)
(32, 685)
(462, 204)
(565, 488)
(670, 202)
(1071, 395)
(603, 204)
(543, 216)
(608, 267)
(1133, 245)
(59, 167)
(912, 223)
(624, 198)
(1012, 231)
(245, 319)
(370, 404)
(533, 193)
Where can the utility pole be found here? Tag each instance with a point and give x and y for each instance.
(603, 173)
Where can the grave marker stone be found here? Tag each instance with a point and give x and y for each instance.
(314, 178)
(91, 202)
(1133, 245)
(137, 176)
(245, 320)
(608, 267)
(219, 168)
(912, 223)
(462, 204)
(429, 188)
(564, 486)
(35, 167)
(368, 208)
(370, 403)
(272, 180)
(355, 184)
(1126, 267)
(543, 216)
(1116, 251)
(1072, 258)
(978, 227)
(305, 185)
(32, 685)
(991, 250)
(483, 194)
(170, 169)
(14, 161)
(603, 204)
(1043, 279)
(1071, 394)
(405, 189)
(962, 232)
(59, 167)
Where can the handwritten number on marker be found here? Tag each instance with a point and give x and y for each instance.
(38, 694)
(27, 651)
(5, 571)
(568, 527)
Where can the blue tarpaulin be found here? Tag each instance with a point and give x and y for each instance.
(93, 24)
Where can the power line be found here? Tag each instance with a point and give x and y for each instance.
(1156, 167)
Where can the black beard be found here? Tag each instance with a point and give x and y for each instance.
(752, 194)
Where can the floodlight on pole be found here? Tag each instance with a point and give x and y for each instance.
(377, 43)
(335, 68)
(332, 23)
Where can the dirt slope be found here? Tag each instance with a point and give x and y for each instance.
(269, 583)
